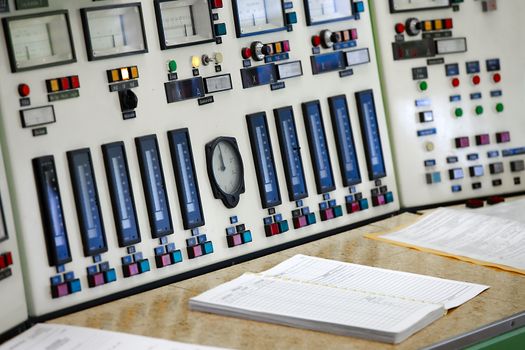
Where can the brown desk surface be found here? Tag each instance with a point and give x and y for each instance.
(163, 312)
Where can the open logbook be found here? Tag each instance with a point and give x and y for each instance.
(338, 297)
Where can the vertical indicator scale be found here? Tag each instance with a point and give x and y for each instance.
(263, 158)
(55, 232)
(318, 145)
(291, 153)
(370, 132)
(154, 186)
(344, 139)
(187, 185)
(87, 202)
(121, 194)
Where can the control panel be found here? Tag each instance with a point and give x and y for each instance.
(453, 87)
(149, 141)
(13, 302)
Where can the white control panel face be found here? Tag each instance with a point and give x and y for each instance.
(167, 149)
(454, 84)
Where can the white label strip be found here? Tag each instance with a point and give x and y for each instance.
(290, 70)
(451, 45)
(37, 116)
(356, 57)
(218, 83)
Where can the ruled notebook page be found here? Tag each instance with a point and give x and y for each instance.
(375, 280)
(336, 310)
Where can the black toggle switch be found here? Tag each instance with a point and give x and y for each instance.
(128, 100)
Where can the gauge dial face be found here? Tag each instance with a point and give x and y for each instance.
(227, 167)
(183, 22)
(322, 11)
(113, 31)
(39, 41)
(258, 16)
(414, 5)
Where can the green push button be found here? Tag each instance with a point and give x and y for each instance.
(219, 29)
(479, 110)
(458, 112)
(499, 107)
(310, 218)
(172, 66)
(423, 86)
(338, 211)
(283, 226)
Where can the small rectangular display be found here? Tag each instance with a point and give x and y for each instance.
(452, 45)
(39, 40)
(291, 153)
(414, 49)
(344, 138)
(417, 5)
(3, 226)
(180, 90)
(327, 62)
(186, 178)
(370, 132)
(183, 23)
(493, 65)
(290, 70)
(55, 231)
(263, 159)
(121, 194)
(112, 31)
(87, 202)
(218, 83)
(318, 145)
(258, 75)
(37, 116)
(324, 11)
(154, 186)
(356, 57)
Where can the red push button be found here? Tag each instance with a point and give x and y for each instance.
(64, 83)
(316, 40)
(455, 82)
(75, 82)
(474, 203)
(286, 45)
(216, 4)
(476, 79)
(447, 23)
(271, 230)
(495, 200)
(24, 90)
(400, 28)
(496, 78)
(246, 53)
(3, 263)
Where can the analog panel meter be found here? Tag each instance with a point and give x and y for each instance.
(323, 11)
(112, 31)
(183, 22)
(416, 5)
(225, 170)
(258, 16)
(40, 40)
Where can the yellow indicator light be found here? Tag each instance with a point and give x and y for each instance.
(134, 72)
(53, 84)
(218, 57)
(427, 26)
(438, 24)
(195, 61)
(124, 73)
(278, 48)
(114, 76)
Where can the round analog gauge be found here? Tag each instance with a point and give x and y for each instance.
(225, 170)
(258, 16)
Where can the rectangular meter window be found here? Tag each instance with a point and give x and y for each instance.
(112, 31)
(258, 16)
(183, 22)
(324, 11)
(40, 40)
(410, 5)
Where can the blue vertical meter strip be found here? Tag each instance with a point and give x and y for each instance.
(55, 231)
(87, 202)
(185, 176)
(317, 142)
(263, 158)
(344, 139)
(154, 186)
(370, 132)
(121, 194)
(291, 153)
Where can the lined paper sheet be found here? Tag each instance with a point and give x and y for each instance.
(330, 309)
(61, 337)
(482, 239)
(375, 280)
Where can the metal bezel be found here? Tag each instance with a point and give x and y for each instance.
(87, 33)
(9, 42)
(230, 200)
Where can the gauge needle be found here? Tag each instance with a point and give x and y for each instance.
(223, 167)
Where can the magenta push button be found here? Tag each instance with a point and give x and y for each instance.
(462, 142)
(502, 137)
(131, 270)
(483, 139)
(96, 280)
(195, 251)
(59, 290)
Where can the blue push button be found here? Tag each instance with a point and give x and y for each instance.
(176, 256)
(208, 247)
(310, 219)
(363, 204)
(246, 236)
(56, 280)
(144, 266)
(389, 197)
(291, 17)
(74, 286)
(110, 275)
(219, 29)
(359, 6)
